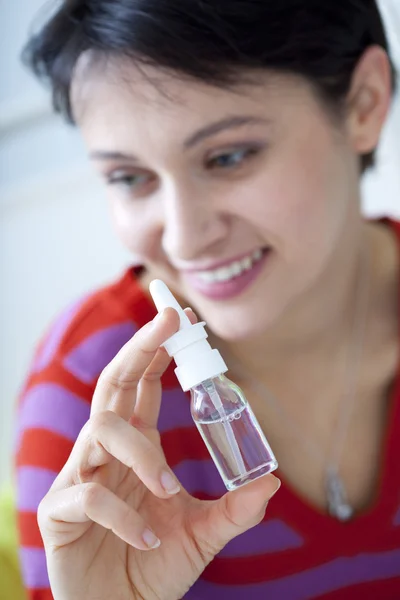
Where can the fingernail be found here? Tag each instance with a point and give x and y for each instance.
(169, 483)
(278, 485)
(150, 539)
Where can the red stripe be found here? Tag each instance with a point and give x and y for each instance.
(256, 568)
(137, 304)
(29, 530)
(373, 590)
(203, 496)
(40, 594)
(183, 444)
(43, 448)
(120, 301)
(169, 380)
(306, 519)
(97, 313)
(56, 373)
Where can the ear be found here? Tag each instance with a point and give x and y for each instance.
(369, 99)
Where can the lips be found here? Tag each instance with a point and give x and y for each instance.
(230, 280)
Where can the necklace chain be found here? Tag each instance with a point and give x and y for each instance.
(337, 501)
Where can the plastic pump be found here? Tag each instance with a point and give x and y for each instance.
(195, 359)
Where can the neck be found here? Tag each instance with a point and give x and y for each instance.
(315, 327)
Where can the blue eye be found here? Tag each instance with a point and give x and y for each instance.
(229, 160)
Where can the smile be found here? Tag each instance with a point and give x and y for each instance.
(235, 269)
(231, 279)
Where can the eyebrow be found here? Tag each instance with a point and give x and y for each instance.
(233, 122)
(109, 155)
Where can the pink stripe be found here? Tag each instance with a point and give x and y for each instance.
(52, 407)
(34, 568)
(55, 336)
(312, 583)
(89, 358)
(396, 521)
(33, 483)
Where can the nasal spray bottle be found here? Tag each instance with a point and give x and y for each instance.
(219, 408)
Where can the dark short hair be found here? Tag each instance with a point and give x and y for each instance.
(213, 41)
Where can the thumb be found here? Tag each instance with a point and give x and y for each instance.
(238, 511)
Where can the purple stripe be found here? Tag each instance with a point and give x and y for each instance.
(175, 410)
(52, 407)
(335, 575)
(34, 568)
(267, 537)
(55, 336)
(200, 475)
(89, 358)
(33, 483)
(396, 521)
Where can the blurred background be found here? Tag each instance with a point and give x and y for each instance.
(55, 239)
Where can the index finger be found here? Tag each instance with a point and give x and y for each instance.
(149, 397)
(116, 388)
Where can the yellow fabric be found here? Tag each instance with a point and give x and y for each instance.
(11, 587)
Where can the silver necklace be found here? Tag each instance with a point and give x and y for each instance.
(338, 504)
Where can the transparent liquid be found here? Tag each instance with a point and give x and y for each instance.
(237, 446)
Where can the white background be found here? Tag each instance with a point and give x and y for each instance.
(55, 239)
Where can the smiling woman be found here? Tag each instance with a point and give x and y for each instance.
(232, 137)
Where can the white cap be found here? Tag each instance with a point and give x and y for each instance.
(195, 360)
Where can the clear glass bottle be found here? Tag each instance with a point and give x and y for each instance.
(219, 408)
(231, 432)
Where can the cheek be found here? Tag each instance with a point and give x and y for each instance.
(122, 222)
(301, 196)
(135, 230)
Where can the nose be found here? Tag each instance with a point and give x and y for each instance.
(193, 226)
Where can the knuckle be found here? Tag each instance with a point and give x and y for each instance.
(100, 421)
(152, 375)
(226, 515)
(42, 512)
(125, 381)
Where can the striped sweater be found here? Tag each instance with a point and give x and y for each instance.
(296, 553)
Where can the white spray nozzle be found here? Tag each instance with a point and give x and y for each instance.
(163, 298)
(195, 359)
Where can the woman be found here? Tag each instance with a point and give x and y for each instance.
(232, 136)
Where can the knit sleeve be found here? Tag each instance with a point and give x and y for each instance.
(54, 406)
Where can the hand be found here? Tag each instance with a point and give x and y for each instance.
(115, 523)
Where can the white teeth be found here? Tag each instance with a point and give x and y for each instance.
(237, 268)
(246, 263)
(223, 274)
(206, 276)
(231, 271)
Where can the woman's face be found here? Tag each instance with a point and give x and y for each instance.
(237, 199)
